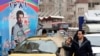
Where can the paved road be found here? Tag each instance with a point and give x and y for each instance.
(58, 39)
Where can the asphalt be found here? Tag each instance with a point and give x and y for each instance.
(59, 39)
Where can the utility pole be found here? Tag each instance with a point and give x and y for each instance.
(60, 7)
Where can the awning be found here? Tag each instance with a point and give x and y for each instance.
(57, 17)
(51, 17)
(41, 18)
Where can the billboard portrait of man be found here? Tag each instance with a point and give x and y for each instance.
(18, 31)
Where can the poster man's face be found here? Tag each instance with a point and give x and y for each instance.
(20, 18)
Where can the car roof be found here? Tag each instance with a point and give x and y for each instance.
(39, 38)
(92, 35)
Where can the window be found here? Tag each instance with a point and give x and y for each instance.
(69, 9)
(50, 0)
(80, 11)
(91, 5)
(96, 3)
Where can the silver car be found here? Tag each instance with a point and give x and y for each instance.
(95, 41)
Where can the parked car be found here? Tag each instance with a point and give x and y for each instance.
(95, 41)
(36, 46)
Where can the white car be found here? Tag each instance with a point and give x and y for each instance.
(95, 41)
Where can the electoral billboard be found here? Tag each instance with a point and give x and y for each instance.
(18, 20)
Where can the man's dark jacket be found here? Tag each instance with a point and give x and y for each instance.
(83, 50)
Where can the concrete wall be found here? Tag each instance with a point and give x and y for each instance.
(81, 8)
(97, 7)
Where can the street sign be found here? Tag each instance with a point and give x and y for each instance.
(81, 21)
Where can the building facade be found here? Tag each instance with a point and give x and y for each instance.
(70, 9)
(58, 8)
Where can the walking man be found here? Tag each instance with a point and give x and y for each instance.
(80, 45)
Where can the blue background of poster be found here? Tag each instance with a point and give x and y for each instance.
(0, 45)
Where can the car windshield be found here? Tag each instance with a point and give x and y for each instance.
(37, 46)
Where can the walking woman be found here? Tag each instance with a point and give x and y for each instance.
(67, 46)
